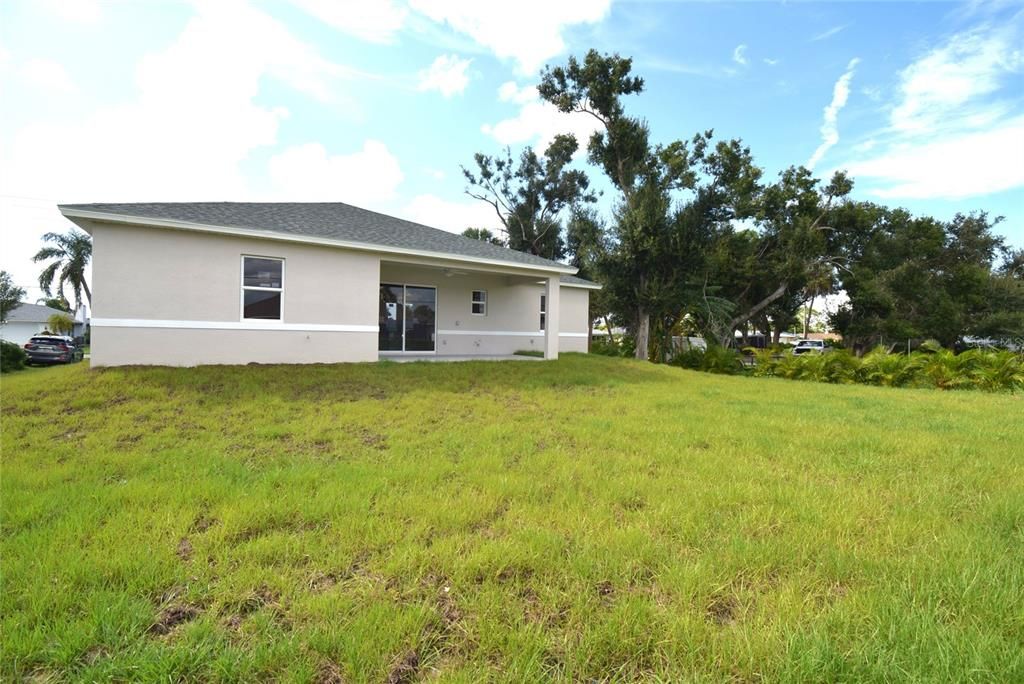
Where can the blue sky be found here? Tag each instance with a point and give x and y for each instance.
(377, 104)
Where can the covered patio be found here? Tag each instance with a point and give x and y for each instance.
(454, 312)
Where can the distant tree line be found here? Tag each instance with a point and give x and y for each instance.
(699, 242)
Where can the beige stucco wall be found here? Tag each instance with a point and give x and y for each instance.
(191, 347)
(169, 275)
(189, 284)
(512, 322)
(575, 323)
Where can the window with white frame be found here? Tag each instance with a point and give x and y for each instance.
(262, 288)
(543, 311)
(479, 303)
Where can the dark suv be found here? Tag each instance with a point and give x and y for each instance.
(52, 349)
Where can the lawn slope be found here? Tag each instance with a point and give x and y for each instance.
(589, 518)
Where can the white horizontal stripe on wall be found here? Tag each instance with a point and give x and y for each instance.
(539, 333)
(228, 325)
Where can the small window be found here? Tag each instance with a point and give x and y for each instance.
(543, 310)
(479, 303)
(262, 288)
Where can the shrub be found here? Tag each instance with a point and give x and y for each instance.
(12, 357)
(1001, 370)
(932, 366)
(879, 367)
(714, 360)
(766, 361)
(624, 346)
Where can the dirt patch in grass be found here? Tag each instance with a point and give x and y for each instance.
(184, 549)
(172, 616)
(514, 573)
(485, 525)
(203, 523)
(93, 654)
(262, 597)
(321, 581)
(128, 440)
(371, 439)
(605, 590)
(447, 608)
(289, 526)
(329, 673)
(723, 610)
(405, 669)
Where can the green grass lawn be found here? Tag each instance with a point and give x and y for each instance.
(590, 518)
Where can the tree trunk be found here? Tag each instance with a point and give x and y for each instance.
(760, 306)
(608, 327)
(88, 294)
(643, 334)
(807, 316)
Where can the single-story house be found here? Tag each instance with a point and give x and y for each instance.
(28, 320)
(185, 284)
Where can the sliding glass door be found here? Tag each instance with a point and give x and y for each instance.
(408, 316)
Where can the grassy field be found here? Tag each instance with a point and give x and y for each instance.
(590, 518)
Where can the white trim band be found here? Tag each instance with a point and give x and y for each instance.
(229, 325)
(539, 333)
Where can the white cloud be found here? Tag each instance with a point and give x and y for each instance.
(184, 135)
(956, 130)
(193, 122)
(829, 33)
(528, 32)
(538, 122)
(454, 217)
(830, 127)
(739, 56)
(447, 75)
(73, 11)
(873, 93)
(770, 62)
(48, 76)
(376, 21)
(865, 146)
(938, 87)
(510, 92)
(307, 172)
(967, 165)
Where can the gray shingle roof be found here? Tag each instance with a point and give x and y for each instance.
(329, 220)
(34, 313)
(582, 282)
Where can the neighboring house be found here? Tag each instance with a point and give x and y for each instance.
(199, 283)
(30, 319)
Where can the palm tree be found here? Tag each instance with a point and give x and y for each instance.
(71, 252)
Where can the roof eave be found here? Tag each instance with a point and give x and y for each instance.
(72, 214)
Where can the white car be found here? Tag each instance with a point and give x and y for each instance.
(809, 347)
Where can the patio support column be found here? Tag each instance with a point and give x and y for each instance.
(551, 317)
